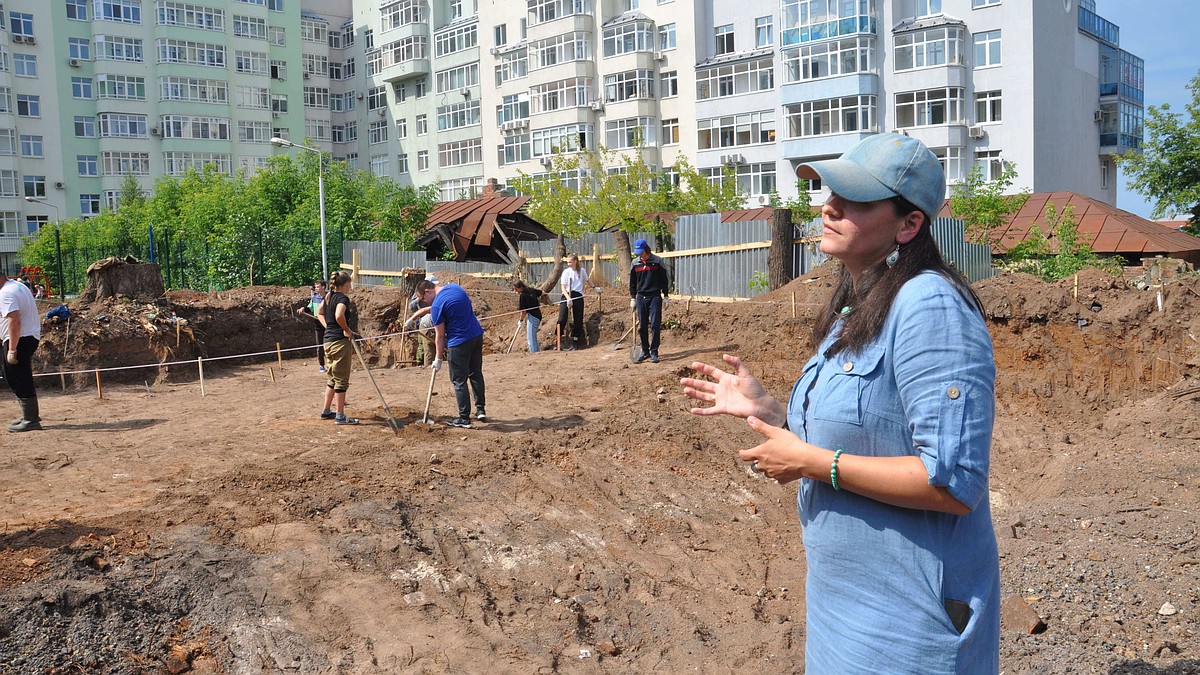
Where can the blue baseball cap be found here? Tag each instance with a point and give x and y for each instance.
(639, 246)
(881, 167)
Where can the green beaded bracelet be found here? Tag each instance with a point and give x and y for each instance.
(833, 470)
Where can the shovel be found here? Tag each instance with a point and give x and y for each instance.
(429, 397)
(394, 424)
(514, 339)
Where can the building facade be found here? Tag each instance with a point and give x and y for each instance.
(455, 92)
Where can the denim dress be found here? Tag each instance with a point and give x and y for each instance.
(891, 589)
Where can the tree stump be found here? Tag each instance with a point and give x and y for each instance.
(123, 277)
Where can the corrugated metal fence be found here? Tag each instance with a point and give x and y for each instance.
(737, 273)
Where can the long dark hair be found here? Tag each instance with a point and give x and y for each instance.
(871, 298)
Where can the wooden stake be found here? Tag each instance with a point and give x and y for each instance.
(177, 332)
(279, 354)
(200, 366)
(62, 380)
(272, 372)
(99, 387)
(793, 304)
(687, 306)
(1075, 293)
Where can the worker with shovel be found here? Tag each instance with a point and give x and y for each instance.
(459, 337)
(340, 319)
(648, 297)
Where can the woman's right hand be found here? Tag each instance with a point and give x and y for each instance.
(738, 393)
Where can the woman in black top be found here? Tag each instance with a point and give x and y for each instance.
(531, 312)
(340, 319)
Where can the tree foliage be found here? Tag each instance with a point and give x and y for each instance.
(1168, 168)
(984, 206)
(214, 230)
(1059, 255)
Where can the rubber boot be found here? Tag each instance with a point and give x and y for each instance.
(30, 421)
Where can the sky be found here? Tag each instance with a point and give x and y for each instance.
(1163, 33)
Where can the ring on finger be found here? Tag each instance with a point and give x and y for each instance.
(754, 467)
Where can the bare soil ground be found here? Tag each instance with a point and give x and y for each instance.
(592, 525)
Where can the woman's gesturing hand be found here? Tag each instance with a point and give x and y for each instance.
(738, 393)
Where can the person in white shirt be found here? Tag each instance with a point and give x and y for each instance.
(571, 283)
(20, 333)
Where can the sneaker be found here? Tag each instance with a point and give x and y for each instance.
(328, 415)
(342, 419)
(654, 358)
(481, 415)
(642, 358)
(321, 368)
(460, 422)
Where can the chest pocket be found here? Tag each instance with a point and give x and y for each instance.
(843, 390)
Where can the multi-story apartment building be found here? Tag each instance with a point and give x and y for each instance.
(454, 92)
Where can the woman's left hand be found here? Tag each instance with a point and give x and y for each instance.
(781, 456)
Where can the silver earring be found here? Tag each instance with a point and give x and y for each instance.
(892, 257)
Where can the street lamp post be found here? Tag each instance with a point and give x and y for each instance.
(285, 143)
(62, 291)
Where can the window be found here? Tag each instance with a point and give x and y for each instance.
(31, 146)
(422, 125)
(278, 70)
(376, 98)
(115, 48)
(929, 7)
(36, 223)
(9, 185)
(513, 107)
(628, 37)
(987, 107)
(566, 138)
(4, 66)
(830, 59)
(987, 49)
(279, 103)
(630, 132)
(250, 27)
(541, 11)
(179, 163)
(516, 148)
(121, 125)
(29, 105)
(89, 205)
(500, 35)
(401, 128)
(731, 131)
(670, 131)
(127, 87)
(79, 48)
(254, 132)
(990, 164)
(629, 85)
(830, 116)
(455, 40)
(928, 48)
(5, 100)
(951, 160)
(752, 179)
(255, 63)
(121, 11)
(666, 37)
(458, 115)
(764, 32)
(190, 16)
(77, 9)
(379, 165)
(377, 132)
(316, 97)
(570, 93)
(313, 30)
(460, 188)
(512, 65)
(930, 107)
(21, 23)
(399, 92)
(195, 127)
(817, 20)
(422, 160)
(275, 5)
(400, 51)
(396, 14)
(88, 165)
(422, 87)
(85, 126)
(81, 87)
(402, 164)
(456, 78)
(277, 35)
(735, 79)
(125, 163)
(724, 39)
(194, 89)
(25, 65)
(315, 64)
(456, 10)
(976, 4)
(195, 53)
(669, 84)
(253, 97)
(8, 142)
(459, 153)
(34, 186)
(560, 49)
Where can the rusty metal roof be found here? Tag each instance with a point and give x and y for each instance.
(1105, 228)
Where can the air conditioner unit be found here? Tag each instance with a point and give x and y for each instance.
(1098, 116)
(74, 63)
(733, 159)
(276, 114)
(465, 91)
(382, 111)
(975, 131)
(307, 75)
(546, 161)
(660, 56)
(59, 185)
(494, 51)
(513, 125)
(360, 97)
(597, 105)
(154, 131)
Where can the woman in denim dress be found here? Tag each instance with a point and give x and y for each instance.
(889, 431)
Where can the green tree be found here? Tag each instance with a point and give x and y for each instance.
(985, 206)
(1168, 168)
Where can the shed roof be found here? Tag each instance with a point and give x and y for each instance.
(469, 227)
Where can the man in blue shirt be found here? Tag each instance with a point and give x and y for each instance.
(458, 334)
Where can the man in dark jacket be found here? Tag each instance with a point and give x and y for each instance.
(648, 296)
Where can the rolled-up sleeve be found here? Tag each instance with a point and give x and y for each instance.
(946, 376)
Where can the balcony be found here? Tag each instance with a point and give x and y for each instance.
(851, 25)
(1098, 27)
(403, 70)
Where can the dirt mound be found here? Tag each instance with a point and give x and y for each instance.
(592, 525)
